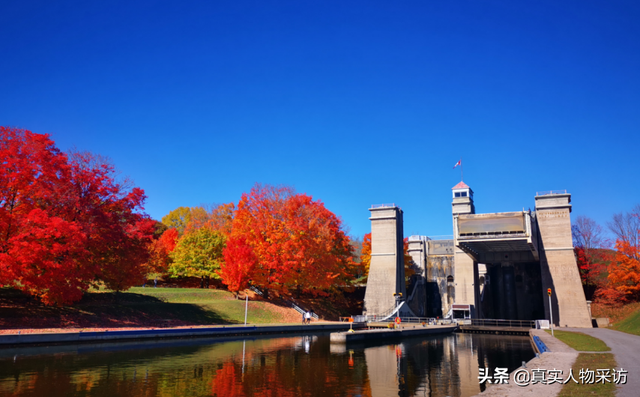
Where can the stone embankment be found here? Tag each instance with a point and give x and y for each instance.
(624, 347)
(401, 332)
(559, 357)
(161, 333)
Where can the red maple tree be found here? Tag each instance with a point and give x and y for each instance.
(239, 264)
(159, 250)
(65, 222)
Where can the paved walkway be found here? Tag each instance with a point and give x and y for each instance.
(560, 357)
(626, 350)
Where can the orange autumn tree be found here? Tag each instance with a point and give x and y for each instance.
(216, 217)
(365, 257)
(221, 218)
(409, 265)
(624, 273)
(283, 241)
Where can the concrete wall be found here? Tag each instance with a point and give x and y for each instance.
(464, 278)
(418, 252)
(558, 264)
(435, 259)
(440, 295)
(386, 272)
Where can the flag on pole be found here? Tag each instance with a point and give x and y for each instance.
(459, 163)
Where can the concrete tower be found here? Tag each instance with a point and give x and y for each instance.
(386, 272)
(462, 199)
(558, 263)
(466, 269)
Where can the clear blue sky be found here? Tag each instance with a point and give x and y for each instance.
(353, 102)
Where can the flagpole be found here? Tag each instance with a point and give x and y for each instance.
(461, 170)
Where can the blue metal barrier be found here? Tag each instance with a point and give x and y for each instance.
(542, 348)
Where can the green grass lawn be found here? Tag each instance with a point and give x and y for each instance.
(591, 361)
(624, 318)
(204, 306)
(630, 325)
(139, 307)
(580, 341)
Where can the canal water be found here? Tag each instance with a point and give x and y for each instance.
(303, 365)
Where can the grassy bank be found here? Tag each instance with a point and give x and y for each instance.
(630, 324)
(580, 341)
(625, 318)
(591, 361)
(139, 307)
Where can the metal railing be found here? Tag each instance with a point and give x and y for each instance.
(407, 320)
(546, 193)
(286, 302)
(444, 237)
(388, 205)
(426, 320)
(298, 308)
(376, 317)
(502, 323)
(256, 290)
(497, 234)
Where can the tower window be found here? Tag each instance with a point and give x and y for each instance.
(461, 194)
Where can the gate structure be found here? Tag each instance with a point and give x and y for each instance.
(498, 265)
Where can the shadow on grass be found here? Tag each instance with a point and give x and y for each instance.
(102, 310)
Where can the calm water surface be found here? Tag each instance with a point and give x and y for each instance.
(291, 366)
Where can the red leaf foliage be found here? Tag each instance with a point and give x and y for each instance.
(240, 262)
(159, 250)
(297, 243)
(65, 222)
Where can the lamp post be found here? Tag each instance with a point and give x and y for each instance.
(398, 296)
(550, 310)
(246, 307)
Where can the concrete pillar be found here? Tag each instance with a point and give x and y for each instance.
(498, 285)
(386, 272)
(509, 281)
(557, 262)
(418, 251)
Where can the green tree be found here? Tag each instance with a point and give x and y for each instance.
(198, 254)
(178, 218)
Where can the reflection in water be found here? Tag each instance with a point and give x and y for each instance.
(293, 366)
